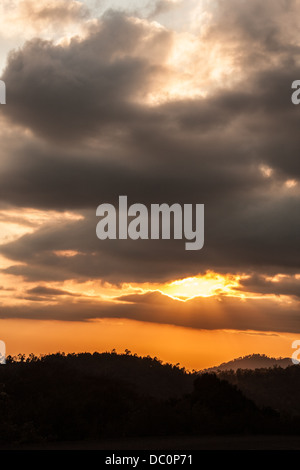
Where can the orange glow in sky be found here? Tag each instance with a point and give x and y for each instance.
(193, 349)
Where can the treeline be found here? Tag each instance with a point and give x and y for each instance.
(252, 361)
(92, 396)
(276, 387)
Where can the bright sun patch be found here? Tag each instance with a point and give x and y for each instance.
(201, 286)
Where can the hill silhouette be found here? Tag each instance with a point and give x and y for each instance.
(96, 396)
(252, 361)
(275, 387)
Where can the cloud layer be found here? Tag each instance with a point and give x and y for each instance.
(105, 114)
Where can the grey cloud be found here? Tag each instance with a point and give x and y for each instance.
(161, 7)
(63, 11)
(236, 241)
(263, 31)
(200, 313)
(286, 285)
(70, 92)
(94, 140)
(49, 291)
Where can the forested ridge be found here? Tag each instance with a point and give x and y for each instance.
(62, 397)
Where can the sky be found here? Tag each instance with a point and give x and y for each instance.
(164, 101)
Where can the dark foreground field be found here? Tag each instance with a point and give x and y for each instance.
(110, 401)
(173, 443)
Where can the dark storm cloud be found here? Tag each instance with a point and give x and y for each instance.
(237, 241)
(96, 139)
(285, 285)
(70, 92)
(48, 291)
(256, 31)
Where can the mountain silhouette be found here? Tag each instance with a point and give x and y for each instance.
(252, 361)
(75, 397)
